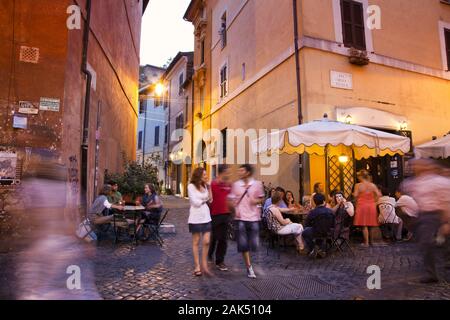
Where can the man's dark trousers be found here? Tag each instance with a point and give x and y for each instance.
(219, 237)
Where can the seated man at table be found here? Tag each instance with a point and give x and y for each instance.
(115, 197)
(96, 211)
(319, 223)
(152, 203)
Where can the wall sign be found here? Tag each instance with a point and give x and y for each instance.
(27, 107)
(341, 80)
(49, 104)
(20, 122)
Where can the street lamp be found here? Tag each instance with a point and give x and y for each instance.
(158, 90)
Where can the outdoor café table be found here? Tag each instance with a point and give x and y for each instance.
(297, 217)
(130, 212)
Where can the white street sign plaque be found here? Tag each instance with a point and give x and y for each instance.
(341, 80)
(49, 104)
(27, 107)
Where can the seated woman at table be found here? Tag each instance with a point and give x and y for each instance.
(343, 215)
(290, 201)
(281, 226)
(101, 204)
(152, 203)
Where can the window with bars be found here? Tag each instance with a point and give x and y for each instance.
(447, 46)
(156, 136)
(353, 24)
(224, 81)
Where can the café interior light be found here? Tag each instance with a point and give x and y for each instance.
(348, 119)
(403, 125)
(343, 158)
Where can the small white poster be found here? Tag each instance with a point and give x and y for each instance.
(8, 163)
(20, 122)
(27, 107)
(49, 104)
(341, 80)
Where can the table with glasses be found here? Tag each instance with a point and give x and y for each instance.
(129, 219)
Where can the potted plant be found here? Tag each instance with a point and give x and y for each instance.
(358, 57)
(132, 181)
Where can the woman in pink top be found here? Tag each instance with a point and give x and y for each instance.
(247, 195)
(366, 194)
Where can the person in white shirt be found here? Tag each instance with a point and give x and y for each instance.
(200, 219)
(386, 206)
(408, 210)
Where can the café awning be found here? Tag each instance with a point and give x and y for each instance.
(334, 138)
(439, 148)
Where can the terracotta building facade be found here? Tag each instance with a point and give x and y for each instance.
(69, 73)
(375, 63)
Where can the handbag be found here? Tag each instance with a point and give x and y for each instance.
(85, 231)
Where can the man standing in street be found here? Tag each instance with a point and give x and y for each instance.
(247, 195)
(220, 215)
(430, 189)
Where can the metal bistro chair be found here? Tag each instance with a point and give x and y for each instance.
(323, 237)
(150, 231)
(388, 229)
(340, 240)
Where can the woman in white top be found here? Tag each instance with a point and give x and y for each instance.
(199, 218)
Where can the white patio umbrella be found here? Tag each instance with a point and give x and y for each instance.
(439, 148)
(333, 138)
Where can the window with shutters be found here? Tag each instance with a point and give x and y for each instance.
(224, 143)
(202, 51)
(180, 84)
(166, 134)
(223, 30)
(447, 46)
(353, 24)
(224, 81)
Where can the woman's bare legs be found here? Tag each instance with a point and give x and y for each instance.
(195, 251)
(205, 248)
(366, 235)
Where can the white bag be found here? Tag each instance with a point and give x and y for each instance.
(85, 232)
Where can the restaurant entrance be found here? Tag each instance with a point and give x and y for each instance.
(385, 171)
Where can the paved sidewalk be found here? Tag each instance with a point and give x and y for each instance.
(150, 272)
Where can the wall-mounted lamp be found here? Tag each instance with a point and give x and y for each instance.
(348, 119)
(343, 158)
(403, 125)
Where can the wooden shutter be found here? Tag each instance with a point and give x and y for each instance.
(353, 24)
(447, 46)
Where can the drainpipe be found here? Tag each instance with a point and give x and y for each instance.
(299, 94)
(192, 125)
(87, 100)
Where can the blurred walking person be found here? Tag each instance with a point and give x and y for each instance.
(247, 195)
(220, 215)
(434, 211)
(199, 219)
(366, 195)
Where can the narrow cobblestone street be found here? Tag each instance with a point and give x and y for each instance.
(150, 272)
(33, 265)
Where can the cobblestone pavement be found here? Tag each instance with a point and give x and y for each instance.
(147, 271)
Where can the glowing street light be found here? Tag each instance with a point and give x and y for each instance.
(159, 89)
